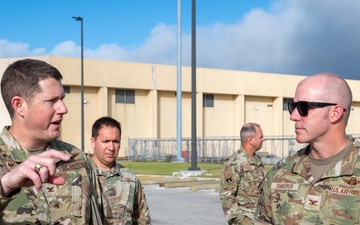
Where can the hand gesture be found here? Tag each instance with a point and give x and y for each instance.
(35, 170)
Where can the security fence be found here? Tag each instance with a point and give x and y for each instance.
(210, 149)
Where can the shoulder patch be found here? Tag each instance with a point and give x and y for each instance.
(229, 180)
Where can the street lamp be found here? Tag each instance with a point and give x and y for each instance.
(179, 90)
(193, 88)
(82, 80)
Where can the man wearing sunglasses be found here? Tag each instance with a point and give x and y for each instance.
(319, 184)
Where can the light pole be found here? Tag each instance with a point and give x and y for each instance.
(179, 90)
(193, 88)
(82, 80)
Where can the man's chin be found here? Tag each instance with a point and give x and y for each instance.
(110, 159)
(54, 135)
(300, 139)
(110, 164)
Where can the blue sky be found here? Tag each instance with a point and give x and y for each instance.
(299, 37)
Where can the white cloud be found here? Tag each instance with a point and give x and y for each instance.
(11, 49)
(159, 47)
(297, 37)
(18, 49)
(293, 36)
(107, 52)
(67, 48)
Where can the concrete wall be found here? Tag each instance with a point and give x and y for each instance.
(239, 97)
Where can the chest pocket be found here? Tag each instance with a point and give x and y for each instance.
(54, 202)
(342, 204)
(67, 199)
(250, 180)
(118, 197)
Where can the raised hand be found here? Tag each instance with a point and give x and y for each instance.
(35, 170)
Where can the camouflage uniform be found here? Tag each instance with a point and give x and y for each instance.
(54, 204)
(122, 198)
(292, 196)
(241, 176)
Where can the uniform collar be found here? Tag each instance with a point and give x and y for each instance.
(343, 167)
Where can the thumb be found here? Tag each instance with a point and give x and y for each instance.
(57, 180)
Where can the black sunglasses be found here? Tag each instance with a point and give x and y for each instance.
(303, 107)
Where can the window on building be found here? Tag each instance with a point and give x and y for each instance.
(66, 89)
(125, 96)
(285, 103)
(208, 100)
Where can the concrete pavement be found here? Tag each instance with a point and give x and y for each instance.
(181, 206)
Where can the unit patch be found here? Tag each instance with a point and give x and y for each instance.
(229, 180)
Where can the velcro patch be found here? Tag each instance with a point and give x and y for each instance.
(285, 186)
(229, 180)
(73, 165)
(312, 202)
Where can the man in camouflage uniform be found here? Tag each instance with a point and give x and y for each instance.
(319, 184)
(241, 174)
(122, 197)
(42, 179)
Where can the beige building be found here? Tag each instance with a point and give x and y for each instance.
(143, 98)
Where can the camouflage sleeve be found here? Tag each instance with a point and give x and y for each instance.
(141, 209)
(97, 215)
(3, 200)
(263, 212)
(228, 189)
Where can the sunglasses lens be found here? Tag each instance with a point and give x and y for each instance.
(302, 108)
(291, 106)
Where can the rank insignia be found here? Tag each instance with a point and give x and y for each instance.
(312, 202)
(11, 164)
(50, 189)
(73, 156)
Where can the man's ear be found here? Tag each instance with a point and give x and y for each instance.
(336, 113)
(250, 140)
(19, 105)
(92, 140)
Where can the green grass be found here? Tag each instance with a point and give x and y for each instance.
(168, 168)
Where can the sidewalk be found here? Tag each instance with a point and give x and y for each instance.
(181, 206)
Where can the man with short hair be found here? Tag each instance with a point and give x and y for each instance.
(319, 184)
(241, 174)
(42, 180)
(119, 190)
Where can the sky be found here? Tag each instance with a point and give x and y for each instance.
(297, 37)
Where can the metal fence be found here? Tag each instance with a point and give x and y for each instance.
(210, 149)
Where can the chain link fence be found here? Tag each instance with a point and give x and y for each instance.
(210, 149)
